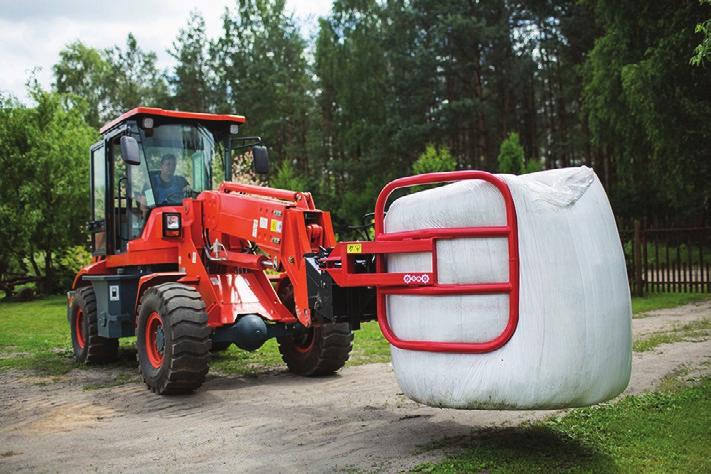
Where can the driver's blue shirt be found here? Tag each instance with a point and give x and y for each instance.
(167, 193)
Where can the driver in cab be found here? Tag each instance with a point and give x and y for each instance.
(167, 187)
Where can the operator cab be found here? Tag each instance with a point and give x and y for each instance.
(151, 157)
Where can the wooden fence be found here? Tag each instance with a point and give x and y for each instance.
(672, 259)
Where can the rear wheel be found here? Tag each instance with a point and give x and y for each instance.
(314, 351)
(88, 346)
(173, 339)
(318, 350)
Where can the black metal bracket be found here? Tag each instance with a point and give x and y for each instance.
(256, 141)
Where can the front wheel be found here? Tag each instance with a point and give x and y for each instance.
(173, 339)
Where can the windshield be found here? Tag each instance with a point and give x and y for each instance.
(177, 158)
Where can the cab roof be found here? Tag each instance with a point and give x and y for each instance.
(153, 111)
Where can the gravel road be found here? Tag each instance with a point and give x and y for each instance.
(357, 420)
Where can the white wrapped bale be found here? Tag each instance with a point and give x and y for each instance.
(573, 343)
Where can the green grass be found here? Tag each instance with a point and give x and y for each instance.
(237, 361)
(666, 431)
(692, 331)
(652, 301)
(35, 336)
(369, 346)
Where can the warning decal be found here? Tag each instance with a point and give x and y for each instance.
(354, 248)
(275, 226)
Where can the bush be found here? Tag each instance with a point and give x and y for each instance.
(434, 160)
(69, 263)
(533, 166)
(288, 178)
(511, 159)
(26, 294)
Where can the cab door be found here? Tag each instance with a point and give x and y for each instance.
(97, 225)
(131, 200)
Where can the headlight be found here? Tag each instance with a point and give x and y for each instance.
(171, 224)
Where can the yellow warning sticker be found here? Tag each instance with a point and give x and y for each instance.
(275, 225)
(354, 248)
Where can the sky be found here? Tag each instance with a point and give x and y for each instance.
(32, 32)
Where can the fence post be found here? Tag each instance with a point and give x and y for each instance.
(637, 251)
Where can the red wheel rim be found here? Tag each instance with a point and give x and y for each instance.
(79, 328)
(306, 343)
(155, 340)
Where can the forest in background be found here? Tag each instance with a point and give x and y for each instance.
(384, 89)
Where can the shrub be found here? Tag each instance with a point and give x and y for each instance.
(433, 160)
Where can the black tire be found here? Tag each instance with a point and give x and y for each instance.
(315, 351)
(220, 346)
(318, 350)
(89, 347)
(173, 353)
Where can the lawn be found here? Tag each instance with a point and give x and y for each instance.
(652, 301)
(35, 335)
(665, 431)
(368, 347)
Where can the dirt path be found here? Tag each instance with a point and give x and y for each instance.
(666, 319)
(276, 422)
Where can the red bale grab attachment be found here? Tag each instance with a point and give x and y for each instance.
(426, 283)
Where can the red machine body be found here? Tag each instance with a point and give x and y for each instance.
(235, 216)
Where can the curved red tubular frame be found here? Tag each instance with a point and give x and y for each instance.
(510, 231)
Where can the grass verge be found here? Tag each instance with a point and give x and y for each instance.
(695, 330)
(666, 431)
(35, 335)
(652, 301)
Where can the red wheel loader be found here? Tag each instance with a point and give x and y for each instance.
(189, 262)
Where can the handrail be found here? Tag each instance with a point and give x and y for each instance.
(283, 194)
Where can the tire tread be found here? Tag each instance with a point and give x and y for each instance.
(183, 311)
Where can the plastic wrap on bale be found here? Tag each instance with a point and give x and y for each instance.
(573, 343)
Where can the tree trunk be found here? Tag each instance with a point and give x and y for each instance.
(48, 280)
(35, 267)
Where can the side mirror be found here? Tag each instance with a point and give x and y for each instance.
(129, 151)
(260, 157)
